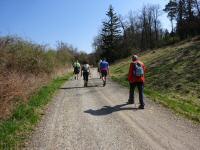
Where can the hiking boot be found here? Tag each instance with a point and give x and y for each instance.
(141, 107)
(130, 101)
(104, 83)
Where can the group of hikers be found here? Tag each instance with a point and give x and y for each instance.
(136, 76)
(84, 69)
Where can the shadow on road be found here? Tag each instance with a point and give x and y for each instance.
(80, 87)
(106, 110)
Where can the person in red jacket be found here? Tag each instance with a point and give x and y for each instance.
(136, 78)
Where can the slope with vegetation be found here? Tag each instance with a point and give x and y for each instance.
(25, 67)
(141, 29)
(16, 129)
(29, 76)
(172, 76)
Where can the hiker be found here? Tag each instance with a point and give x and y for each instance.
(77, 67)
(136, 78)
(104, 68)
(98, 69)
(85, 71)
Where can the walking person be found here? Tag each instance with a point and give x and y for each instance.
(85, 71)
(104, 67)
(77, 67)
(136, 78)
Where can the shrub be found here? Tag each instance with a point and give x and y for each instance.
(24, 67)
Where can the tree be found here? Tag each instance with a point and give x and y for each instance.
(197, 3)
(190, 9)
(149, 24)
(182, 22)
(156, 14)
(110, 35)
(143, 22)
(171, 9)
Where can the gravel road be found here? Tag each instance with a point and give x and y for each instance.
(97, 118)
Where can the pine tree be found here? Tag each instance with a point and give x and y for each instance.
(111, 33)
(190, 5)
(171, 9)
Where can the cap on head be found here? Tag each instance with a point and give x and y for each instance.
(134, 57)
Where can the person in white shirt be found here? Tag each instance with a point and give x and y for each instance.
(85, 71)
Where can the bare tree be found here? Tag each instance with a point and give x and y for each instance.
(156, 14)
(123, 25)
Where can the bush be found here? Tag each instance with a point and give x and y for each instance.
(24, 67)
(23, 56)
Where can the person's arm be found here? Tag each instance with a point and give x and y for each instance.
(89, 69)
(81, 71)
(108, 70)
(100, 65)
(130, 73)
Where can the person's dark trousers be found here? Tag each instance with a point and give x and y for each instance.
(140, 86)
(85, 76)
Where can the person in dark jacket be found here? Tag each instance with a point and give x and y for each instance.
(136, 78)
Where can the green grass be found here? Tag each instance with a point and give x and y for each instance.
(15, 130)
(172, 77)
(186, 108)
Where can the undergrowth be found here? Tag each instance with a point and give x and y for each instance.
(14, 130)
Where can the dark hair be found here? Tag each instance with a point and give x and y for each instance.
(85, 62)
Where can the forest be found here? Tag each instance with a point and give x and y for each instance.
(120, 36)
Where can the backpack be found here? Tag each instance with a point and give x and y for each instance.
(85, 68)
(138, 70)
(76, 66)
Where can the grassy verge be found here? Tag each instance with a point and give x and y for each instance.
(14, 130)
(186, 108)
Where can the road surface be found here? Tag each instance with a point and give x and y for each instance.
(97, 118)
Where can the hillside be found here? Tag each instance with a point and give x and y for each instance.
(172, 76)
(25, 67)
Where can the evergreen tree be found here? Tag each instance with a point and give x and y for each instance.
(110, 35)
(171, 9)
(190, 5)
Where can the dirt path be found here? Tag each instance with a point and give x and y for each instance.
(97, 118)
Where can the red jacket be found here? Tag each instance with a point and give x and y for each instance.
(131, 77)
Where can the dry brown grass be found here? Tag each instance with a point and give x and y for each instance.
(15, 88)
(25, 67)
(62, 71)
